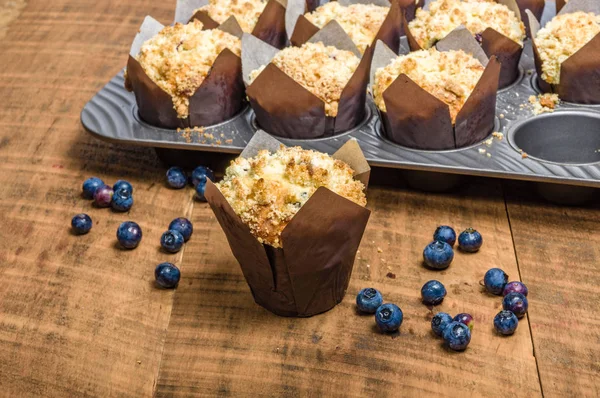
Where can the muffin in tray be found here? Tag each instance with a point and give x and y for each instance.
(294, 219)
(184, 76)
(246, 12)
(436, 99)
(496, 26)
(567, 52)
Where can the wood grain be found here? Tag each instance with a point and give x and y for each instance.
(220, 343)
(558, 250)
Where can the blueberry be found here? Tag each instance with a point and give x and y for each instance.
(176, 178)
(103, 196)
(368, 300)
(494, 280)
(517, 287)
(466, 319)
(183, 226)
(122, 199)
(439, 322)
(516, 303)
(388, 317)
(171, 241)
(438, 255)
(200, 187)
(457, 335)
(470, 240)
(433, 292)
(167, 275)
(201, 173)
(506, 322)
(90, 185)
(122, 184)
(129, 234)
(81, 223)
(446, 234)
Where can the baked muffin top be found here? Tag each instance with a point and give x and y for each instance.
(562, 37)
(360, 21)
(246, 12)
(322, 70)
(450, 76)
(444, 16)
(266, 191)
(179, 58)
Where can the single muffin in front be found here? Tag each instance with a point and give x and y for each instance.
(360, 21)
(450, 76)
(180, 57)
(562, 37)
(266, 191)
(246, 12)
(323, 70)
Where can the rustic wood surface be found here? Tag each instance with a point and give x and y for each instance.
(79, 317)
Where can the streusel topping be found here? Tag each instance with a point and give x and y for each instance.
(246, 12)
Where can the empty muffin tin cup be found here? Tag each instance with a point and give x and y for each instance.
(552, 138)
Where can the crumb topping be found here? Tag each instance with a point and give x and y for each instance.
(246, 12)
(444, 16)
(562, 37)
(266, 191)
(179, 58)
(360, 21)
(450, 76)
(322, 70)
(544, 103)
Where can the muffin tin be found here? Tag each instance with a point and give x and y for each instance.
(561, 147)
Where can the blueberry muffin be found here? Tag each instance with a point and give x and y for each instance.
(246, 12)
(266, 191)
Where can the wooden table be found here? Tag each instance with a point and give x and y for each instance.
(79, 317)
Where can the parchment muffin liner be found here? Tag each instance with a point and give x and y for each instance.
(311, 272)
(506, 50)
(580, 73)
(300, 29)
(535, 6)
(270, 26)
(286, 109)
(559, 6)
(416, 119)
(218, 98)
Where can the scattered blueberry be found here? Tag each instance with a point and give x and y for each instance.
(90, 185)
(439, 322)
(466, 319)
(171, 241)
(122, 184)
(167, 275)
(433, 292)
(469, 240)
(446, 234)
(200, 187)
(176, 178)
(183, 226)
(103, 196)
(517, 287)
(122, 199)
(506, 322)
(388, 317)
(200, 174)
(368, 300)
(494, 280)
(129, 234)
(457, 335)
(515, 303)
(438, 255)
(81, 223)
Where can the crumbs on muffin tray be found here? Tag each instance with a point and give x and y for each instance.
(544, 103)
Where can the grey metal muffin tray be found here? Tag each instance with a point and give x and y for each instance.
(562, 147)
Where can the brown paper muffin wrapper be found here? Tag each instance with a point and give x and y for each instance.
(535, 6)
(311, 272)
(559, 6)
(219, 97)
(507, 51)
(580, 73)
(270, 27)
(286, 109)
(301, 29)
(416, 119)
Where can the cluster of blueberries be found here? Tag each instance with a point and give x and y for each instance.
(388, 317)
(177, 179)
(439, 253)
(514, 303)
